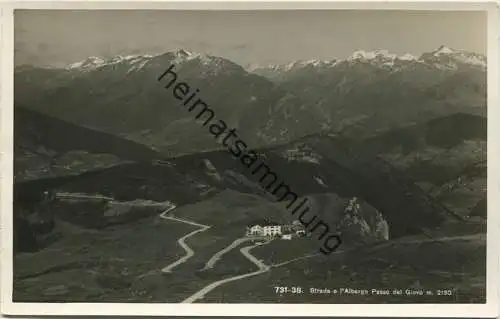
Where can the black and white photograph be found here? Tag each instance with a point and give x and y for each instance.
(250, 156)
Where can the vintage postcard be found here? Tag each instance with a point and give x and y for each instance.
(249, 159)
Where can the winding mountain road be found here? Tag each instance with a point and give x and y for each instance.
(182, 240)
(292, 260)
(246, 252)
(262, 268)
(216, 257)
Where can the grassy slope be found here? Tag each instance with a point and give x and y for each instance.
(63, 136)
(101, 265)
(458, 265)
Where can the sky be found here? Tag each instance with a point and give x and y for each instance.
(60, 37)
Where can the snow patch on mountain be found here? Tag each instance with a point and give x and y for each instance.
(295, 65)
(137, 62)
(182, 55)
(370, 55)
(443, 50)
(301, 154)
(408, 57)
(137, 65)
(92, 63)
(315, 63)
(476, 60)
(443, 58)
(380, 55)
(88, 63)
(320, 181)
(451, 56)
(211, 170)
(382, 58)
(471, 59)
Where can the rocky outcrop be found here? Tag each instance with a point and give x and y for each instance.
(362, 223)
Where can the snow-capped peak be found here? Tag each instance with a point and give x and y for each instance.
(250, 67)
(453, 55)
(183, 52)
(321, 62)
(408, 57)
(295, 65)
(443, 50)
(89, 62)
(380, 54)
(305, 63)
(382, 58)
(94, 62)
(370, 55)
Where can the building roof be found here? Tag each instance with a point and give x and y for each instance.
(263, 222)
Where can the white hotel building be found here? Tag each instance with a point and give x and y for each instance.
(268, 230)
(273, 230)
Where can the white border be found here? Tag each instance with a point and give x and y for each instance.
(490, 309)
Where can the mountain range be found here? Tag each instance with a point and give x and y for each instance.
(372, 91)
(360, 96)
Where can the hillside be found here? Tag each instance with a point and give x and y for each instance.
(445, 156)
(46, 146)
